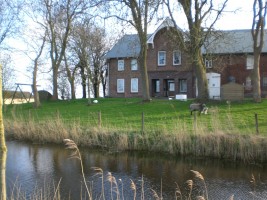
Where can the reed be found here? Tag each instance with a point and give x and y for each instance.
(219, 144)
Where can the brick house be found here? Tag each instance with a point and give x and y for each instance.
(229, 58)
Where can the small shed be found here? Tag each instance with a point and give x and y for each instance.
(232, 91)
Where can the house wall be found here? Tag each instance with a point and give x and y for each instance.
(126, 74)
(163, 41)
(235, 66)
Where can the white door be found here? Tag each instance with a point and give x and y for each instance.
(214, 85)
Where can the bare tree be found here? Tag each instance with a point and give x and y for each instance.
(141, 14)
(257, 31)
(59, 17)
(79, 46)
(10, 20)
(8, 76)
(71, 72)
(201, 17)
(37, 103)
(98, 48)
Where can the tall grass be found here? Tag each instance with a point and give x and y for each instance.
(226, 132)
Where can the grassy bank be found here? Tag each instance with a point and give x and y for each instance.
(228, 131)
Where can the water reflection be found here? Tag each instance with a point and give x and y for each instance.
(32, 166)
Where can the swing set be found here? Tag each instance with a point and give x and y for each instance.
(22, 94)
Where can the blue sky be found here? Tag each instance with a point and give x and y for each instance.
(240, 19)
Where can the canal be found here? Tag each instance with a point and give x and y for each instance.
(40, 170)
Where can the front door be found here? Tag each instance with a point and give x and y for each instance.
(214, 85)
(169, 87)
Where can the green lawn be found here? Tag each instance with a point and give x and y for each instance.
(159, 115)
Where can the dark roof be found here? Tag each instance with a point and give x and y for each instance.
(220, 42)
(127, 46)
(232, 41)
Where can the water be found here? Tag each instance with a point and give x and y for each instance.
(32, 167)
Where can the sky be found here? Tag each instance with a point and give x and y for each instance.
(238, 15)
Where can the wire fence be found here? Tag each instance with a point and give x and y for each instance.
(145, 122)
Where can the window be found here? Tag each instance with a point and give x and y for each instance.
(157, 86)
(248, 85)
(120, 65)
(177, 58)
(171, 86)
(120, 85)
(208, 63)
(264, 81)
(161, 58)
(250, 61)
(134, 64)
(134, 85)
(183, 85)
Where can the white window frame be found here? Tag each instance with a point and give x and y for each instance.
(120, 65)
(160, 58)
(134, 85)
(134, 65)
(157, 84)
(208, 63)
(250, 62)
(120, 86)
(181, 82)
(178, 53)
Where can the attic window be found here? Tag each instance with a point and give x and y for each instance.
(162, 58)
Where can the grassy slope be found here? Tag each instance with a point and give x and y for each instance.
(160, 115)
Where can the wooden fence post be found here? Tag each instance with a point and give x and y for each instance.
(195, 122)
(99, 119)
(143, 123)
(256, 123)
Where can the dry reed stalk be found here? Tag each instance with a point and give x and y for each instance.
(57, 193)
(190, 186)
(70, 144)
(200, 198)
(155, 195)
(199, 176)
(112, 180)
(133, 187)
(178, 193)
(231, 197)
(122, 193)
(99, 171)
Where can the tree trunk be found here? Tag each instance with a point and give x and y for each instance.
(2, 132)
(72, 86)
(36, 103)
(256, 86)
(200, 70)
(3, 148)
(83, 76)
(143, 69)
(88, 86)
(55, 75)
(3, 155)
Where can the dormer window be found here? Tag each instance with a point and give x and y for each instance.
(177, 58)
(161, 58)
